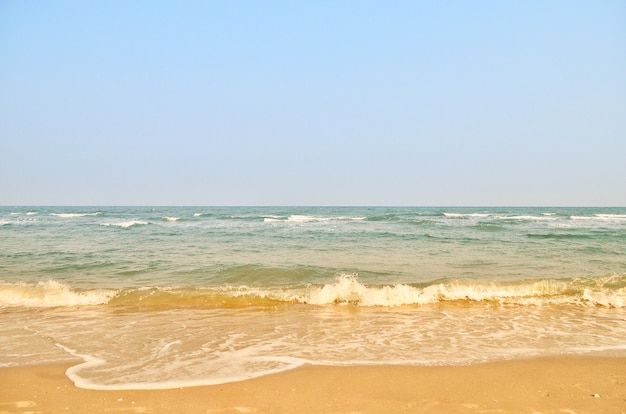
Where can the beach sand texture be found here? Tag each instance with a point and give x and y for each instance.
(544, 385)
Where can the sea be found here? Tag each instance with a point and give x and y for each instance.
(165, 297)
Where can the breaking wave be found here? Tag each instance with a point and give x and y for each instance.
(126, 224)
(75, 215)
(301, 218)
(345, 289)
(47, 294)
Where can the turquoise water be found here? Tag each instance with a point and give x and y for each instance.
(196, 295)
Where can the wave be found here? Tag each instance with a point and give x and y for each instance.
(300, 218)
(559, 236)
(499, 217)
(345, 289)
(19, 221)
(602, 217)
(126, 224)
(385, 217)
(611, 216)
(602, 292)
(75, 215)
(50, 294)
(521, 217)
(543, 217)
(466, 215)
(171, 219)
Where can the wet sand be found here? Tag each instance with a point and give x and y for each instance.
(545, 385)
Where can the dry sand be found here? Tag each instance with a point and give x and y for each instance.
(546, 385)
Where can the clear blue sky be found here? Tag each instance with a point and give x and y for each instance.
(313, 102)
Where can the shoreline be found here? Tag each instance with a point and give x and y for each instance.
(573, 384)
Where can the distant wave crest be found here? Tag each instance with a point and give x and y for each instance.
(300, 218)
(126, 224)
(75, 215)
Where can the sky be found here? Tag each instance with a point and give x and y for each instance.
(420, 103)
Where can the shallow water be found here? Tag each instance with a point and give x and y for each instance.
(162, 297)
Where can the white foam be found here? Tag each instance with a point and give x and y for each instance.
(18, 219)
(466, 215)
(72, 372)
(126, 224)
(601, 217)
(50, 294)
(75, 215)
(348, 290)
(611, 216)
(171, 218)
(301, 218)
(166, 347)
(231, 374)
(530, 218)
(273, 219)
(612, 299)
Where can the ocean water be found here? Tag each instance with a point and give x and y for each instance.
(147, 298)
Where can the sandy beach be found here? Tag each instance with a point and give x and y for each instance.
(545, 385)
